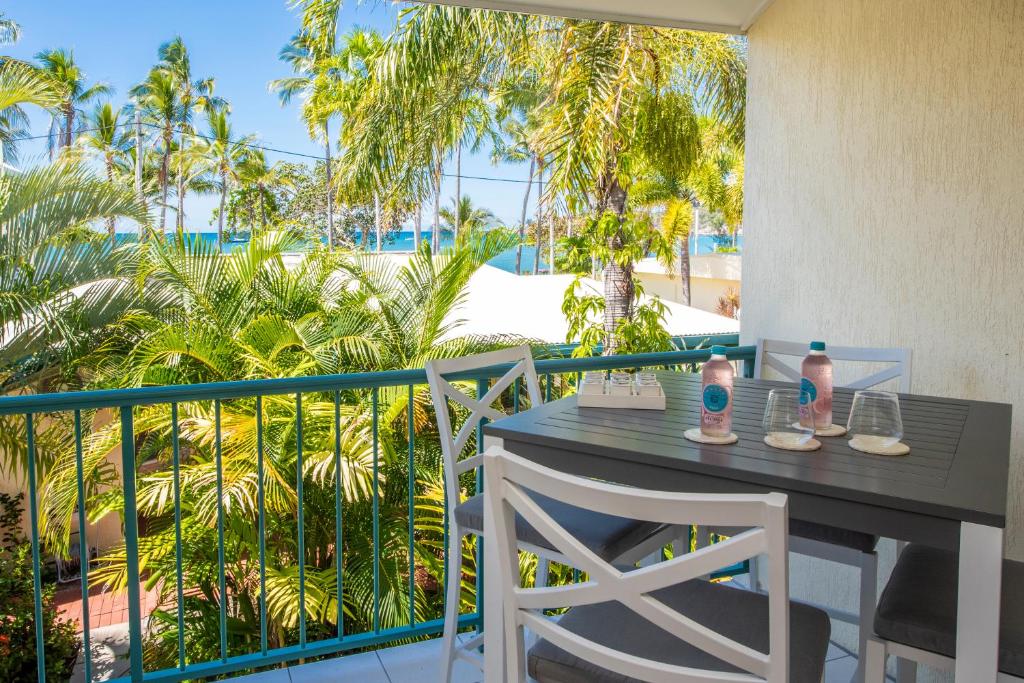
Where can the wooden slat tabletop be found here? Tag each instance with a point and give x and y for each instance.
(957, 468)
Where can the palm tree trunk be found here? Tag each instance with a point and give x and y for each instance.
(619, 288)
(180, 220)
(684, 269)
(165, 170)
(263, 208)
(417, 226)
(376, 221)
(330, 194)
(69, 122)
(435, 231)
(220, 214)
(540, 215)
(111, 226)
(458, 190)
(522, 220)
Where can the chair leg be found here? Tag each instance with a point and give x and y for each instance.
(873, 657)
(452, 600)
(868, 601)
(906, 671)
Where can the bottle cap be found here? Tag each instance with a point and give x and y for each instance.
(717, 350)
(817, 346)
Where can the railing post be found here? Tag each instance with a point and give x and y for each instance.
(131, 544)
(37, 568)
(481, 391)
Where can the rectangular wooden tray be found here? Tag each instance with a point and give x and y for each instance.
(588, 399)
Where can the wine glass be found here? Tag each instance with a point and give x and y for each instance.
(875, 421)
(782, 420)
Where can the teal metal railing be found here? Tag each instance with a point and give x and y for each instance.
(125, 401)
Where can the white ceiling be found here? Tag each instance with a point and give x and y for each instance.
(724, 16)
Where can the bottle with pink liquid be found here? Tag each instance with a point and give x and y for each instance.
(816, 388)
(716, 395)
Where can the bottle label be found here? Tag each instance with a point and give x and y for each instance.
(808, 392)
(716, 398)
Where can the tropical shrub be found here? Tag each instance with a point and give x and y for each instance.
(17, 609)
(617, 243)
(247, 315)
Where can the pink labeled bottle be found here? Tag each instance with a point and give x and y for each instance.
(716, 395)
(816, 388)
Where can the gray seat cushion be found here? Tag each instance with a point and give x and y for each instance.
(918, 606)
(608, 536)
(738, 614)
(829, 534)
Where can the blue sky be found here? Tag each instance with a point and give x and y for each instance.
(236, 42)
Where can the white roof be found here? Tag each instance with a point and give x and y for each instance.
(500, 302)
(722, 16)
(712, 266)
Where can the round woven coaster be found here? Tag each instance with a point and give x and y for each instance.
(831, 430)
(898, 448)
(809, 445)
(695, 434)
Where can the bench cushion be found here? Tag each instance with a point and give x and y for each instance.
(918, 606)
(738, 614)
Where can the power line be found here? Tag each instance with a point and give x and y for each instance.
(253, 145)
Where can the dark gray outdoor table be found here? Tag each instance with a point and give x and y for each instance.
(950, 491)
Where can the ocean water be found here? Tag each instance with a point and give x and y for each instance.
(404, 241)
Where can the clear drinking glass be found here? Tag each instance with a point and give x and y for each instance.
(621, 384)
(782, 418)
(593, 383)
(875, 419)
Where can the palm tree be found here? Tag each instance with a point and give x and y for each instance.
(225, 154)
(254, 171)
(10, 30)
(513, 146)
(194, 95)
(74, 91)
(62, 290)
(191, 173)
(714, 182)
(311, 66)
(106, 140)
(20, 84)
(158, 99)
(471, 218)
(616, 98)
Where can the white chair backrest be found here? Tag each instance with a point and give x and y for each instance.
(771, 351)
(441, 390)
(508, 478)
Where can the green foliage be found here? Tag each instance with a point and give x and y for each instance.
(621, 242)
(245, 315)
(17, 609)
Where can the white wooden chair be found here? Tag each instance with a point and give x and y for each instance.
(656, 623)
(819, 540)
(611, 537)
(770, 354)
(916, 617)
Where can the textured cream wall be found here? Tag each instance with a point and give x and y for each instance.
(885, 190)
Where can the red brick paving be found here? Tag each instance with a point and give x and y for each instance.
(105, 607)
